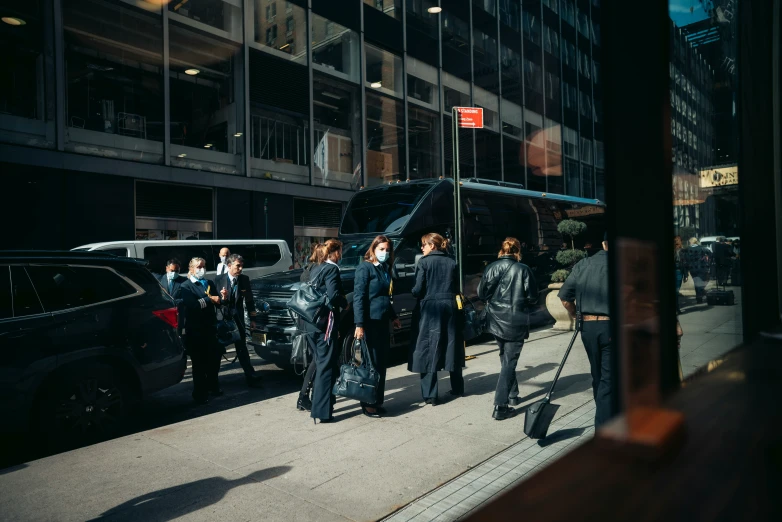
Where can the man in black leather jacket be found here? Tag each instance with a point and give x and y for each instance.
(509, 289)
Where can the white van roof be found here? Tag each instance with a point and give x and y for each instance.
(93, 246)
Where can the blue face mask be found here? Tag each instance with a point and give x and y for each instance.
(381, 256)
(170, 275)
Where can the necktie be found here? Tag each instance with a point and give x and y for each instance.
(170, 286)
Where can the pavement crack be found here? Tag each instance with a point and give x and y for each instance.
(326, 482)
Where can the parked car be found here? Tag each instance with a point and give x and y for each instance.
(83, 335)
(261, 256)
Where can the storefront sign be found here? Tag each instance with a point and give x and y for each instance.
(719, 177)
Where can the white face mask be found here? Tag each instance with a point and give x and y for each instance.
(170, 275)
(222, 259)
(200, 273)
(381, 256)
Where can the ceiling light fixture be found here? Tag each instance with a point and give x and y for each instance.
(376, 85)
(11, 20)
(435, 9)
(181, 155)
(192, 72)
(238, 135)
(208, 146)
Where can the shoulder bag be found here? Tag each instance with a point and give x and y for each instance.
(227, 329)
(358, 381)
(311, 304)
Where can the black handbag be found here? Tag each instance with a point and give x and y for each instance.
(310, 304)
(227, 329)
(474, 321)
(301, 352)
(358, 381)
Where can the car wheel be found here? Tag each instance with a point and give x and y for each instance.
(83, 406)
(347, 353)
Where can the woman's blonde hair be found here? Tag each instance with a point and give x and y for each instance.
(329, 250)
(511, 247)
(437, 241)
(194, 263)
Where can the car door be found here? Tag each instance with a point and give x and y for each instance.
(404, 279)
(26, 351)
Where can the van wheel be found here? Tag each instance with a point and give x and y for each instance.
(83, 405)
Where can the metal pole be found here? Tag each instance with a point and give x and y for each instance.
(457, 196)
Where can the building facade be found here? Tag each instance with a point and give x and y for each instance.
(260, 118)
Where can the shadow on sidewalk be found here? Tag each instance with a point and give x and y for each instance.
(559, 436)
(178, 501)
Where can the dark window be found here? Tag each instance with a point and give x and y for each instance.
(158, 255)
(256, 256)
(25, 300)
(120, 252)
(6, 307)
(63, 287)
(383, 209)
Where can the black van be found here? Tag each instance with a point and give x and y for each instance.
(406, 211)
(82, 335)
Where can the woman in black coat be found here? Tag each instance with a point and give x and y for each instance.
(326, 277)
(373, 312)
(509, 290)
(200, 299)
(437, 342)
(304, 402)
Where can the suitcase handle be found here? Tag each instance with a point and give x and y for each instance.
(579, 325)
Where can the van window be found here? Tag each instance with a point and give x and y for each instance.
(255, 256)
(6, 309)
(63, 287)
(158, 255)
(25, 301)
(119, 252)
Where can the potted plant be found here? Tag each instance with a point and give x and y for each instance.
(567, 259)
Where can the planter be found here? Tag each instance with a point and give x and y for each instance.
(557, 311)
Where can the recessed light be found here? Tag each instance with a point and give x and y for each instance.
(238, 135)
(192, 72)
(208, 146)
(435, 9)
(10, 20)
(181, 155)
(376, 85)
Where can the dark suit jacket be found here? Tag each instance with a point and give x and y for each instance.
(329, 282)
(371, 299)
(200, 317)
(241, 298)
(176, 291)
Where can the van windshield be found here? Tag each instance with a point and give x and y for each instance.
(383, 209)
(353, 252)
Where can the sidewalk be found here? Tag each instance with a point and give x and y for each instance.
(267, 461)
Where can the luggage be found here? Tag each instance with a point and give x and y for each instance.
(720, 297)
(538, 416)
(358, 381)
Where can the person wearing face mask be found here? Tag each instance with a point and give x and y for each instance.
(172, 282)
(201, 298)
(373, 311)
(222, 266)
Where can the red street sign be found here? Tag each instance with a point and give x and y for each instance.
(470, 117)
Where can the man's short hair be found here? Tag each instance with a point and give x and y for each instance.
(233, 258)
(173, 261)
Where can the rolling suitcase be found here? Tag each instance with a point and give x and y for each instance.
(720, 297)
(538, 416)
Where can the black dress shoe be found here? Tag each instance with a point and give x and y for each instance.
(514, 401)
(374, 414)
(304, 404)
(201, 400)
(255, 381)
(502, 412)
(324, 421)
(217, 393)
(455, 394)
(381, 410)
(433, 401)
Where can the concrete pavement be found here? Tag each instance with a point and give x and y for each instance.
(267, 461)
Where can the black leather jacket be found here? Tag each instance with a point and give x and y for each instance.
(509, 289)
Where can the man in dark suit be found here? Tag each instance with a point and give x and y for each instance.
(172, 282)
(240, 296)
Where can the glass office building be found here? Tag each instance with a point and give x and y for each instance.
(275, 112)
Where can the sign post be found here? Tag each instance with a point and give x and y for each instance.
(470, 118)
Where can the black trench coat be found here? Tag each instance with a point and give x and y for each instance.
(437, 342)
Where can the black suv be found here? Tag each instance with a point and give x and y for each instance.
(82, 335)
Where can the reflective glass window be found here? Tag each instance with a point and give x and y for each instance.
(425, 138)
(27, 75)
(510, 14)
(335, 49)
(114, 74)
(392, 8)
(383, 70)
(422, 84)
(385, 139)
(284, 35)
(337, 113)
(224, 16)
